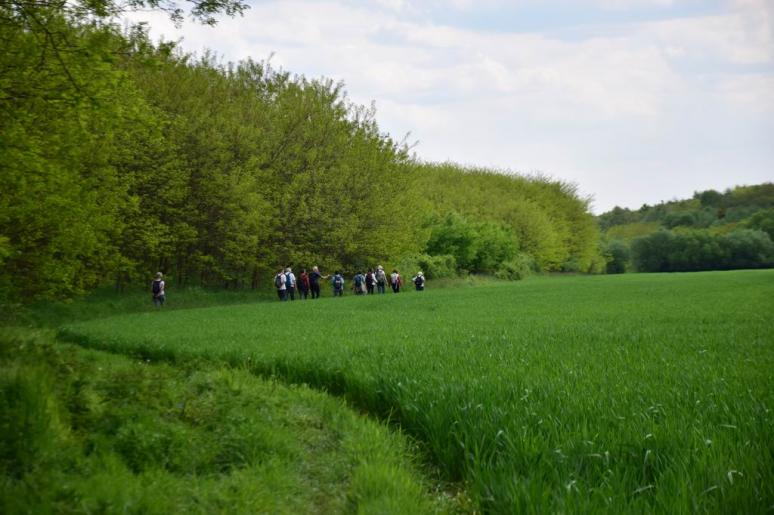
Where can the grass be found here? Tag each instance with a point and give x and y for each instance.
(86, 431)
(106, 301)
(635, 393)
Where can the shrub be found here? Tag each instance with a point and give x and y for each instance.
(518, 268)
(691, 250)
(617, 257)
(434, 267)
(748, 248)
(475, 246)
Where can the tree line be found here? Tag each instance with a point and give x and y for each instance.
(122, 157)
(711, 231)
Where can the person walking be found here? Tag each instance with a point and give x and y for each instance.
(419, 281)
(338, 284)
(157, 290)
(303, 284)
(381, 279)
(395, 281)
(314, 282)
(358, 283)
(290, 283)
(281, 285)
(370, 280)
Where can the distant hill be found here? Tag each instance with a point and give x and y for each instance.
(712, 230)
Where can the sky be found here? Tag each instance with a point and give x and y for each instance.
(634, 101)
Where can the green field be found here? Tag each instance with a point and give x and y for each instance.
(635, 393)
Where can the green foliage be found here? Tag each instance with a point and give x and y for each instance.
(87, 431)
(668, 251)
(763, 221)
(704, 209)
(433, 267)
(568, 394)
(122, 158)
(688, 247)
(518, 268)
(476, 247)
(532, 215)
(617, 256)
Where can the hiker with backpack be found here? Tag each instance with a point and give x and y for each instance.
(381, 279)
(419, 281)
(314, 282)
(290, 283)
(280, 282)
(395, 281)
(157, 290)
(358, 283)
(303, 284)
(370, 280)
(338, 284)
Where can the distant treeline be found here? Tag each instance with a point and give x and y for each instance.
(121, 157)
(711, 231)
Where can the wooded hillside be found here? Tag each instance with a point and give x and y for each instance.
(711, 231)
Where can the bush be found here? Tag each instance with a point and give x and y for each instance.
(518, 268)
(434, 267)
(475, 246)
(748, 248)
(617, 257)
(762, 220)
(692, 250)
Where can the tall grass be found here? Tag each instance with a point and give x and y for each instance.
(636, 393)
(106, 301)
(89, 432)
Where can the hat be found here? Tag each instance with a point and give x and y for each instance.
(419, 273)
(159, 275)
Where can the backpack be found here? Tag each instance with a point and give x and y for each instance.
(156, 288)
(419, 280)
(358, 280)
(370, 279)
(338, 282)
(380, 276)
(278, 281)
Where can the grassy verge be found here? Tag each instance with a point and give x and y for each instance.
(86, 431)
(106, 302)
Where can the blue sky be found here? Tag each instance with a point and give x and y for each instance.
(635, 101)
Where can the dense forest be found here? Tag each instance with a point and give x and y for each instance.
(122, 156)
(711, 231)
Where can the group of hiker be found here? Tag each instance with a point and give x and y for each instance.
(288, 285)
(368, 283)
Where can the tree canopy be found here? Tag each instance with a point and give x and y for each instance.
(122, 157)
